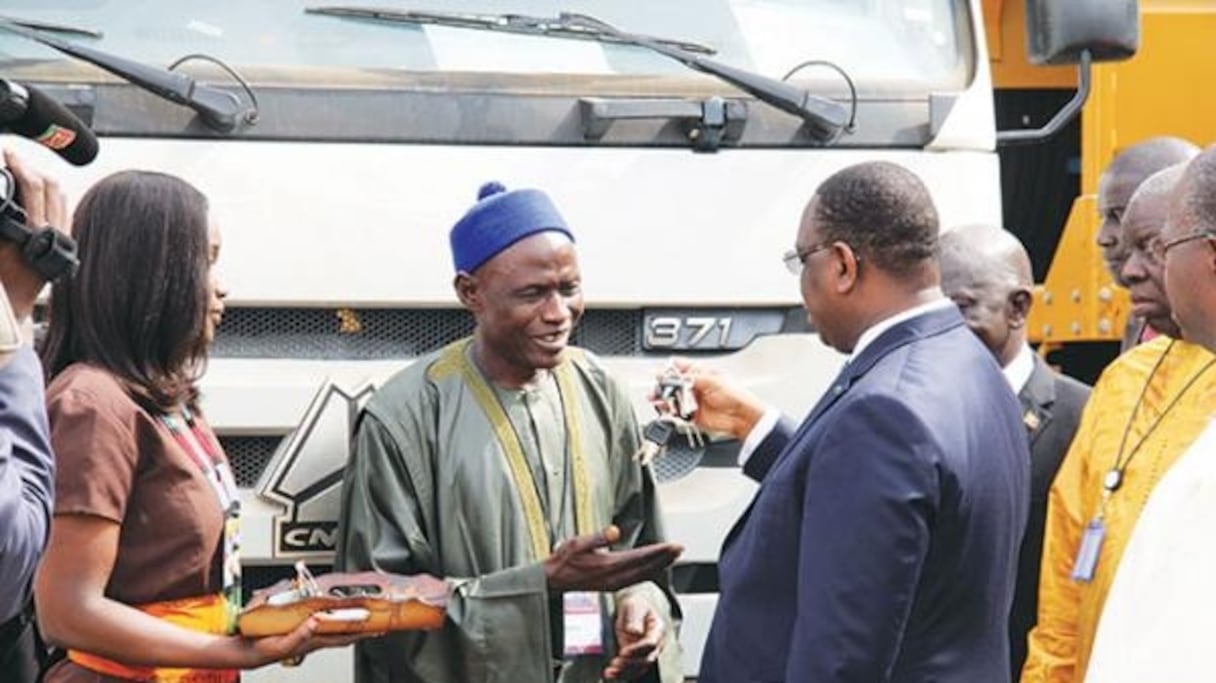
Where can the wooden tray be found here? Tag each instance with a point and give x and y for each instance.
(364, 602)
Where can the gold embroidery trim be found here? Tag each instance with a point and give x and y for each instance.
(513, 450)
(584, 522)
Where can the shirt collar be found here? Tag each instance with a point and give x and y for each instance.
(1019, 369)
(885, 324)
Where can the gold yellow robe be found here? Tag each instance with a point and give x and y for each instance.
(441, 482)
(1059, 645)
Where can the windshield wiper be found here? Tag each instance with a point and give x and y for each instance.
(217, 108)
(50, 27)
(507, 23)
(824, 118)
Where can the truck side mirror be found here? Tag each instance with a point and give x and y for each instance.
(1059, 31)
(1075, 32)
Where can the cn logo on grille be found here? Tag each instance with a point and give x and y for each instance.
(305, 476)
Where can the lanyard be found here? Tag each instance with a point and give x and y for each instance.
(1114, 477)
(205, 453)
(202, 448)
(1089, 550)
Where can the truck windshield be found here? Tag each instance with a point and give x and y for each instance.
(914, 46)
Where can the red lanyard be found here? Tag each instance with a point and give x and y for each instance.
(206, 453)
(202, 449)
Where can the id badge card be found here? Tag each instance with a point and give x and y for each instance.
(232, 567)
(1087, 554)
(583, 624)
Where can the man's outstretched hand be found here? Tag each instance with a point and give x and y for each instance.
(585, 563)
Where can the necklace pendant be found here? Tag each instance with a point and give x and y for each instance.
(1113, 480)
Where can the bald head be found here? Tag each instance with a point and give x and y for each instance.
(1161, 183)
(1196, 198)
(1149, 156)
(1131, 167)
(987, 273)
(1190, 262)
(986, 254)
(1148, 207)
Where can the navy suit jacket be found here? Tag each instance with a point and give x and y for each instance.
(883, 542)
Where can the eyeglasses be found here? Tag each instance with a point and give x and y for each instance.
(795, 259)
(1160, 248)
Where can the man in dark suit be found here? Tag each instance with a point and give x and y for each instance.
(986, 271)
(882, 543)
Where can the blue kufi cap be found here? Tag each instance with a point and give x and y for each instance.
(499, 219)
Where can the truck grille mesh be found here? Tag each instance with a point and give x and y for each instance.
(383, 334)
(250, 455)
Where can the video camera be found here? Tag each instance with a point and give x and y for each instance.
(27, 111)
(48, 251)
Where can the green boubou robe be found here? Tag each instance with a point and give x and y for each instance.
(455, 477)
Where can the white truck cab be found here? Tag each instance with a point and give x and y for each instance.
(373, 132)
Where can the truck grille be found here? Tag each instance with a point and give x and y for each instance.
(249, 456)
(678, 462)
(384, 334)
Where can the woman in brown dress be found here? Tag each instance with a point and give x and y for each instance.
(141, 578)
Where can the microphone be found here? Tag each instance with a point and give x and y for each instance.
(31, 113)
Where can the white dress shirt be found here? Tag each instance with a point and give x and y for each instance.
(1020, 369)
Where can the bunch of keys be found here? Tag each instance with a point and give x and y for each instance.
(674, 391)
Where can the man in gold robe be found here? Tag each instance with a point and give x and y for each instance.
(505, 463)
(1158, 621)
(1146, 409)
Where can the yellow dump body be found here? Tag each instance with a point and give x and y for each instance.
(1164, 90)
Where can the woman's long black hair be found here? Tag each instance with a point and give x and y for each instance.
(138, 305)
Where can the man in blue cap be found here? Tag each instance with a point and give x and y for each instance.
(504, 462)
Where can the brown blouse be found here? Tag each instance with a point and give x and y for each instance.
(117, 462)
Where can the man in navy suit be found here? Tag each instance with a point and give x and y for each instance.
(883, 542)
